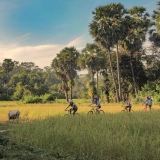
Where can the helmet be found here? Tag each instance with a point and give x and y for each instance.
(70, 101)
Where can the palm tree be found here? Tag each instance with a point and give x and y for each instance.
(65, 65)
(155, 33)
(105, 29)
(56, 64)
(138, 23)
(92, 59)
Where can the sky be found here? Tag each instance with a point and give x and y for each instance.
(37, 30)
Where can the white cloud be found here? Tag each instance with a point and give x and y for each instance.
(76, 42)
(41, 55)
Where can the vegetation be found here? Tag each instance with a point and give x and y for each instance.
(118, 65)
(114, 135)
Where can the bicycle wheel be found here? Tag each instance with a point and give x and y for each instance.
(77, 114)
(145, 109)
(101, 112)
(66, 115)
(90, 112)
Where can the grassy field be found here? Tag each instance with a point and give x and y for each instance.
(41, 111)
(112, 136)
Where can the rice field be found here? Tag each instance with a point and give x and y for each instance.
(41, 111)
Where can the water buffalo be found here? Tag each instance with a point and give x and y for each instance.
(13, 114)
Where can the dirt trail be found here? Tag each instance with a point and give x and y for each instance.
(3, 131)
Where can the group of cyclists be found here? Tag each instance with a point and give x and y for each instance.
(147, 101)
(74, 107)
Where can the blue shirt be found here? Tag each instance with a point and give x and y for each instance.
(149, 101)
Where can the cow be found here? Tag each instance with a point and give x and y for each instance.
(13, 114)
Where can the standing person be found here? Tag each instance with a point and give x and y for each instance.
(128, 104)
(74, 108)
(148, 102)
(98, 105)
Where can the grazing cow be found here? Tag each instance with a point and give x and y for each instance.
(13, 114)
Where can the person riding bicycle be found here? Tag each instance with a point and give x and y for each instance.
(148, 102)
(128, 104)
(74, 108)
(98, 105)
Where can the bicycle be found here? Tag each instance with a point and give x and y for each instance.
(94, 111)
(70, 113)
(126, 110)
(146, 108)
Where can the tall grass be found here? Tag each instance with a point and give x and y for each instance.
(119, 136)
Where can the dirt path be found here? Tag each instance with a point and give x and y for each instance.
(3, 131)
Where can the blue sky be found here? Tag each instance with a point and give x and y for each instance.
(36, 30)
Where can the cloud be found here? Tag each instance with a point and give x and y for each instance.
(76, 42)
(21, 38)
(41, 55)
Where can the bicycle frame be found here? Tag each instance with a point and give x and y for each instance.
(70, 113)
(126, 109)
(94, 111)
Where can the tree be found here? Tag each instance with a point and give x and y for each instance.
(92, 59)
(8, 66)
(105, 29)
(65, 66)
(138, 23)
(155, 33)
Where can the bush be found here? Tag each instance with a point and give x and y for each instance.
(38, 99)
(4, 97)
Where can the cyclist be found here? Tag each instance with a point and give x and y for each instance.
(98, 105)
(74, 108)
(128, 104)
(148, 102)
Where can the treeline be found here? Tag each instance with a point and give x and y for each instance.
(27, 82)
(117, 63)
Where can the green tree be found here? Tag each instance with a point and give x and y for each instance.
(104, 29)
(8, 66)
(155, 33)
(138, 22)
(65, 67)
(92, 59)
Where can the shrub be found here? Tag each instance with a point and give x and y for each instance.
(4, 97)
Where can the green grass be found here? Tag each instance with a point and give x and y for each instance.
(120, 136)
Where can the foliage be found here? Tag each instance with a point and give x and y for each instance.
(79, 136)
(38, 99)
(4, 97)
(117, 50)
(65, 66)
(14, 151)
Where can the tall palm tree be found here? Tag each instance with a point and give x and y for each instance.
(56, 65)
(105, 29)
(138, 22)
